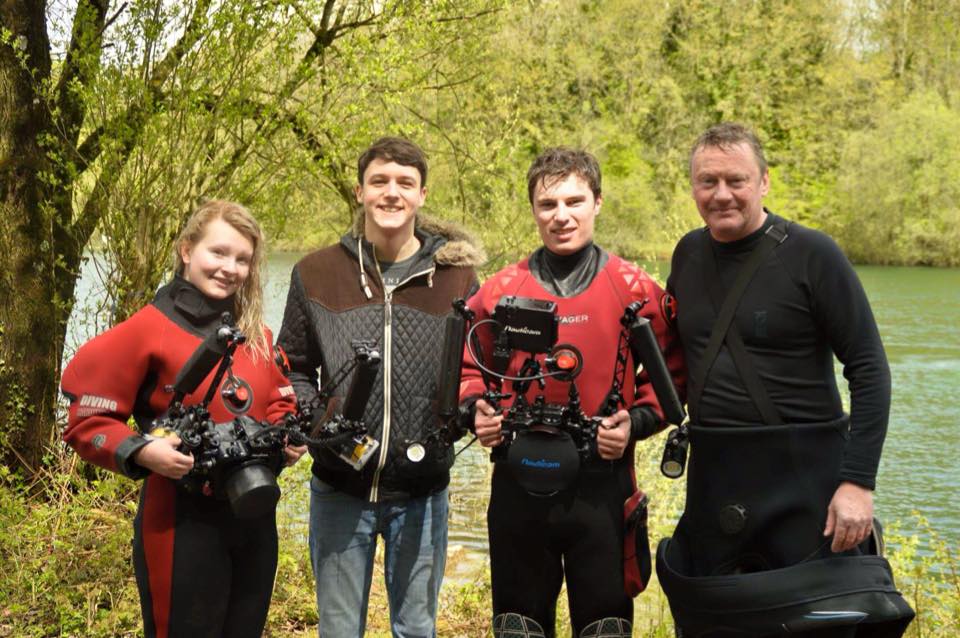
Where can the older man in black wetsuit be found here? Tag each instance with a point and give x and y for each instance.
(779, 475)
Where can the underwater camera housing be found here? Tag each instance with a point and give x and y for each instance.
(529, 325)
(544, 443)
(239, 460)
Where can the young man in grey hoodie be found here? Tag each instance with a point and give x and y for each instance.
(390, 281)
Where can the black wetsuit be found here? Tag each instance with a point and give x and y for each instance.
(536, 542)
(803, 306)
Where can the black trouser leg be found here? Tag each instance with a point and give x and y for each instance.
(254, 561)
(526, 570)
(200, 571)
(536, 541)
(594, 558)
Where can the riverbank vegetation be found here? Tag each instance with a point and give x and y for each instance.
(67, 571)
(117, 118)
(121, 117)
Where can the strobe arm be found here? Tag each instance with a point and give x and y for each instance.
(646, 350)
(190, 423)
(361, 386)
(341, 427)
(208, 354)
(643, 344)
(454, 338)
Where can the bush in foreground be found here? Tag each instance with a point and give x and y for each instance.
(66, 567)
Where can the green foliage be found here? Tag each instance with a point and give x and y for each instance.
(929, 581)
(465, 607)
(66, 556)
(270, 108)
(897, 196)
(636, 82)
(915, 42)
(67, 563)
(15, 400)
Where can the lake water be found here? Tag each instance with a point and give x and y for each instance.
(916, 309)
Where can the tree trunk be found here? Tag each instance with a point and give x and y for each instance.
(33, 304)
(30, 347)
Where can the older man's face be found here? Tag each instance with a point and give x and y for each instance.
(729, 190)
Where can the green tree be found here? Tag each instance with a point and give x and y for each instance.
(155, 105)
(916, 41)
(897, 197)
(46, 150)
(635, 83)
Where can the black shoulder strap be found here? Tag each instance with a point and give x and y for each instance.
(774, 236)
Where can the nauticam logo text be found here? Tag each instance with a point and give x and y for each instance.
(522, 330)
(565, 319)
(102, 403)
(541, 464)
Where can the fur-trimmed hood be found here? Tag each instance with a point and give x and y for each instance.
(460, 248)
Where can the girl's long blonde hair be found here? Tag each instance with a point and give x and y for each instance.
(248, 304)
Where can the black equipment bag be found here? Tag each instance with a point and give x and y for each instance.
(748, 555)
(820, 594)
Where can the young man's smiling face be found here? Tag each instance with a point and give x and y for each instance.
(391, 194)
(565, 210)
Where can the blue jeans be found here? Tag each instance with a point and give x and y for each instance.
(343, 541)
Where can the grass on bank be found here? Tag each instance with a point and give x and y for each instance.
(65, 566)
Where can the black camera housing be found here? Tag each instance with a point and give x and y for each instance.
(527, 324)
(239, 460)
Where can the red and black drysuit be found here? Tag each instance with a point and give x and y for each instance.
(200, 570)
(578, 533)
